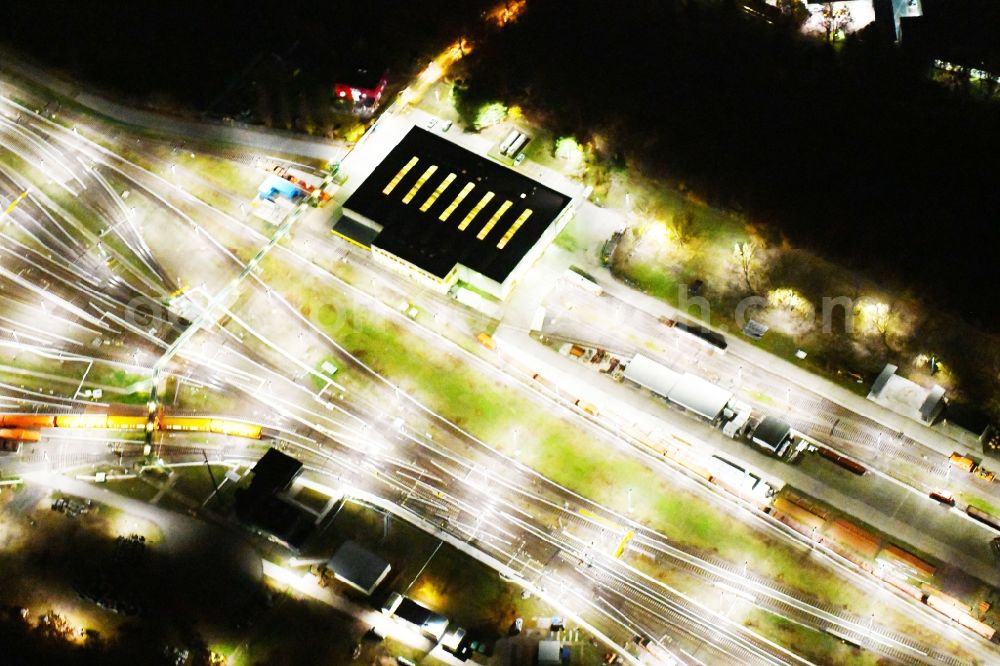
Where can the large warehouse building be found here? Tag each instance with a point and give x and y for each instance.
(443, 215)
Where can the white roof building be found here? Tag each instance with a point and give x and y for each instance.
(699, 396)
(651, 375)
(686, 390)
(906, 397)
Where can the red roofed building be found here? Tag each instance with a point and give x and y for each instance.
(364, 90)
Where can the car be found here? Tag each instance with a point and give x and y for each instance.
(431, 123)
(446, 125)
(518, 159)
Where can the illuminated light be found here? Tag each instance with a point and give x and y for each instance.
(484, 232)
(437, 192)
(569, 150)
(506, 12)
(432, 73)
(464, 192)
(789, 299)
(475, 211)
(420, 183)
(400, 175)
(521, 219)
(874, 316)
(490, 114)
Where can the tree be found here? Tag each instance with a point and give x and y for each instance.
(835, 21)
(794, 9)
(52, 625)
(682, 227)
(745, 254)
(879, 319)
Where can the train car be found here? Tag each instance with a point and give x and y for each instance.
(906, 588)
(28, 420)
(947, 500)
(837, 459)
(931, 591)
(799, 514)
(856, 538)
(955, 613)
(964, 463)
(127, 422)
(983, 517)
(20, 435)
(236, 429)
(217, 426)
(696, 468)
(185, 423)
(909, 560)
(82, 421)
(704, 335)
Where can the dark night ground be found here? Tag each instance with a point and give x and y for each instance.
(855, 153)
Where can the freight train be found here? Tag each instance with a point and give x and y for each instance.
(24, 427)
(856, 539)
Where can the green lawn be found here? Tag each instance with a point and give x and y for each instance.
(136, 488)
(228, 175)
(979, 503)
(818, 647)
(319, 382)
(101, 374)
(195, 482)
(567, 239)
(472, 594)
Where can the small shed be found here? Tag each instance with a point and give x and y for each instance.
(274, 472)
(772, 434)
(358, 567)
(549, 653)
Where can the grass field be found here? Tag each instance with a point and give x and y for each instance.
(135, 487)
(815, 646)
(196, 483)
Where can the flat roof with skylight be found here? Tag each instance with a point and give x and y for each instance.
(436, 205)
